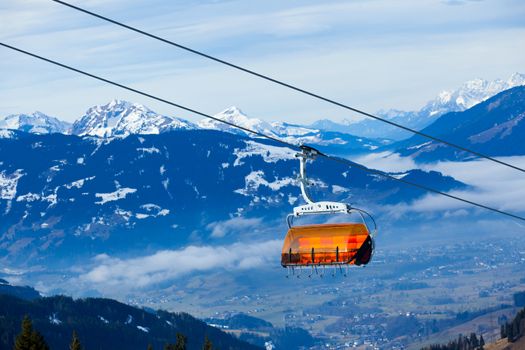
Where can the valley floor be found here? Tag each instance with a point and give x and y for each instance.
(393, 303)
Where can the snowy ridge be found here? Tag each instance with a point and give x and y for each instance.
(466, 96)
(495, 126)
(122, 118)
(295, 134)
(235, 116)
(37, 123)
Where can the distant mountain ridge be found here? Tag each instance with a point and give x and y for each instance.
(122, 118)
(22, 292)
(36, 123)
(336, 142)
(495, 127)
(466, 96)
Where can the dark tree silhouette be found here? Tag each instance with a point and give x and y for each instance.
(207, 344)
(75, 342)
(181, 342)
(179, 345)
(29, 339)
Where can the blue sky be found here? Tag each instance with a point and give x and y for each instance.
(373, 54)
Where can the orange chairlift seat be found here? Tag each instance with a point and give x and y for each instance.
(349, 243)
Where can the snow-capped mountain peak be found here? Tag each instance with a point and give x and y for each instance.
(516, 79)
(235, 116)
(121, 118)
(470, 94)
(37, 123)
(233, 110)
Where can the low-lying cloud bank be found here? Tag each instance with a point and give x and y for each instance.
(220, 229)
(491, 184)
(166, 265)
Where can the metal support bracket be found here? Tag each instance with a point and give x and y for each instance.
(306, 154)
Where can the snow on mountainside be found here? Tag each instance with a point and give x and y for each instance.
(235, 116)
(332, 141)
(84, 195)
(122, 118)
(466, 96)
(36, 123)
(495, 127)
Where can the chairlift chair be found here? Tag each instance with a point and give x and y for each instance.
(330, 244)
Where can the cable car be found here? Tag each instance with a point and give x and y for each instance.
(331, 244)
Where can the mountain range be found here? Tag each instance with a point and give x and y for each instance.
(61, 194)
(466, 96)
(121, 118)
(329, 141)
(494, 127)
(36, 123)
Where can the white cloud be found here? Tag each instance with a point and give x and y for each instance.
(222, 228)
(494, 185)
(166, 265)
(387, 161)
(491, 184)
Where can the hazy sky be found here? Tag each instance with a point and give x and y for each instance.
(372, 54)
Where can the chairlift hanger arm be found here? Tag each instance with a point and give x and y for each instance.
(313, 207)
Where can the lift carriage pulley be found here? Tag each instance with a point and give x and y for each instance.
(325, 245)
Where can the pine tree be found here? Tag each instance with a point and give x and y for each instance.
(179, 345)
(23, 340)
(207, 344)
(460, 342)
(181, 342)
(515, 330)
(75, 342)
(29, 339)
(474, 343)
(481, 342)
(150, 347)
(38, 341)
